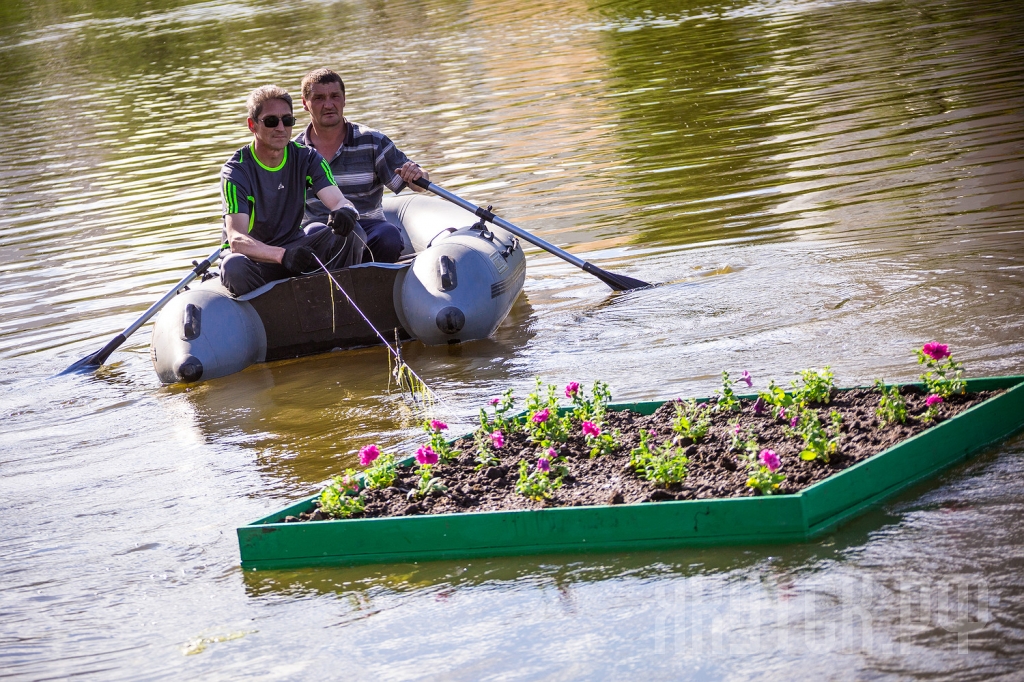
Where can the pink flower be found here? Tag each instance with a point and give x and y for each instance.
(759, 406)
(933, 400)
(591, 429)
(495, 401)
(367, 454)
(542, 416)
(497, 439)
(770, 460)
(736, 429)
(782, 413)
(747, 379)
(572, 389)
(793, 422)
(936, 351)
(438, 425)
(426, 455)
(543, 465)
(552, 454)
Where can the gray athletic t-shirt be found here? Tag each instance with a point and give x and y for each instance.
(273, 198)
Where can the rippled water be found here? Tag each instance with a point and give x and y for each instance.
(809, 182)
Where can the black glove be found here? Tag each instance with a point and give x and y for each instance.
(342, 221)
(299, 259)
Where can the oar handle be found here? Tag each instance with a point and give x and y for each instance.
(484, 214)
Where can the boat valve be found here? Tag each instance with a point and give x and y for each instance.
(450, 320)
(190, 369)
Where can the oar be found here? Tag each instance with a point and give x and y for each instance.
(91, 362)
(616, 282)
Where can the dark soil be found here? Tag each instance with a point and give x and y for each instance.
(713, 470)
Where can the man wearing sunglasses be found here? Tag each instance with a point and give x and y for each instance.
(265, 186)
(363, 160)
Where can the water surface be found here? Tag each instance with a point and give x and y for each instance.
(810, 183)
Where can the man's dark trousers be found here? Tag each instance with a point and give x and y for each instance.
(240, 275)
(383, 241)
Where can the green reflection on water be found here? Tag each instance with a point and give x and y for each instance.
(727, 120)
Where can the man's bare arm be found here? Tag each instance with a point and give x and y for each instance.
(237, 227)
(333, 199)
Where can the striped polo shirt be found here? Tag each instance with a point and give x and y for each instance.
(363, 166)
(273, 198)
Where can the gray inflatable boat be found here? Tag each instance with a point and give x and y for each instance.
(456, 282)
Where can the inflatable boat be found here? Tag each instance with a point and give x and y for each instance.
(456, 282)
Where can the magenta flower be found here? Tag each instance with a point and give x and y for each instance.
(572, 389)
(782, 413)
(936, 351)
(438, 425)
(591, 429)
(793, 422)
(542, 416)
(367, 454)
(426, 455)
(497, 439)
(736, 429)
(747, 379)
(771, 460)
(495, 401)
(933, 400)
(543, 465)
(759, 406)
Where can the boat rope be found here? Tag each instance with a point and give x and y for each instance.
(401, 368)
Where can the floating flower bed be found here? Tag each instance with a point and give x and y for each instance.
(778, 442)
(584, 473)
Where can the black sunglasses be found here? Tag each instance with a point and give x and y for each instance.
(272, 121)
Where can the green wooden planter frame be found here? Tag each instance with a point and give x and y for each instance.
(270, 543)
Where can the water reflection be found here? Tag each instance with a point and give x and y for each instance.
(299, 442)
(812, 125)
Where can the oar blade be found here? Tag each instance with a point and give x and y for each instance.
(90, 362)
(616, 282)
(85, 365)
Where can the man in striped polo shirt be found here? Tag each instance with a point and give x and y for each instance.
(265, 185)
(364, 162)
